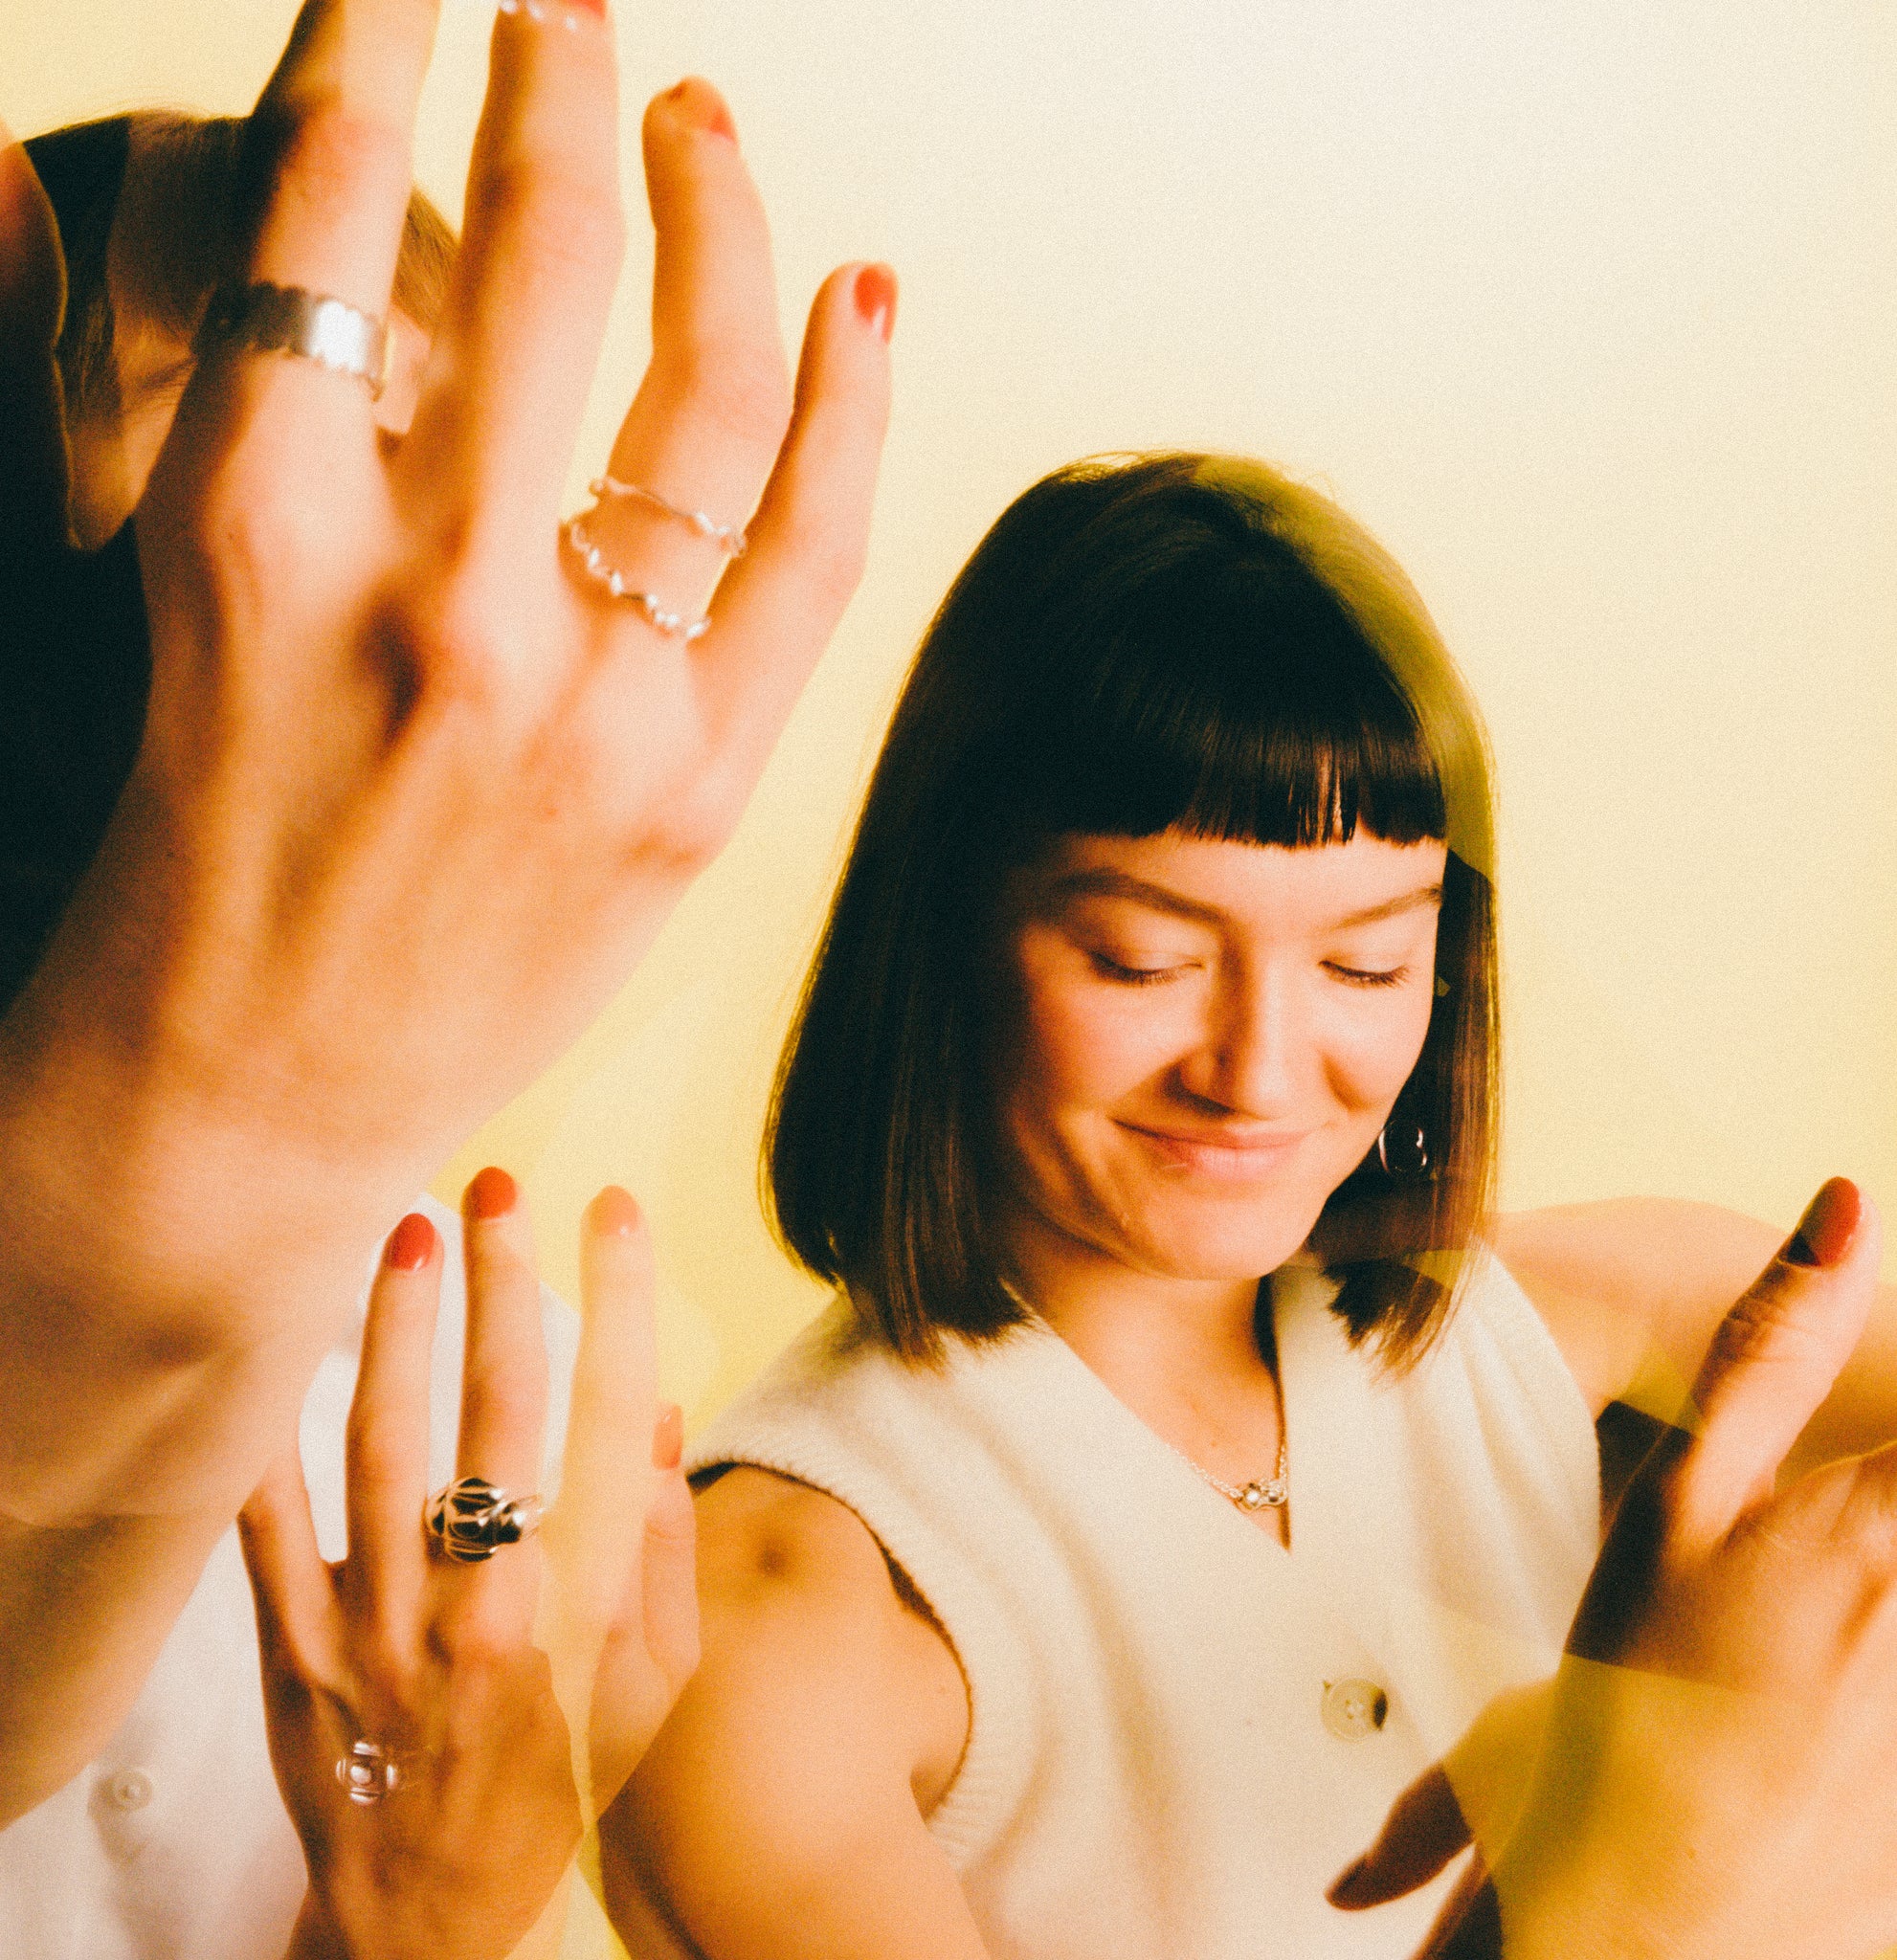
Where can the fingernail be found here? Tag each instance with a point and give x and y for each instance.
(410, 1245)
(700, 106)
(668, 1438)
(1347, 1884)
(492, 1194)
(876, 298)
(615, 1213)
(1830, 1224)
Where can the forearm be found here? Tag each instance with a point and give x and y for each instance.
(165, 1293)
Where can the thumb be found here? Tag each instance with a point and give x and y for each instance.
(1424, 1830)
(33, 298)
(1774, 1358)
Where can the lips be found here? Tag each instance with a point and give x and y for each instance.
(1234, 1155)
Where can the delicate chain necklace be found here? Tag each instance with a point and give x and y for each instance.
(1254, 1495)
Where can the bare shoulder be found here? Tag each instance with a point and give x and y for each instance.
(782, 1808)
(1626, 1285)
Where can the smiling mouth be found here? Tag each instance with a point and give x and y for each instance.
(1222, 1154)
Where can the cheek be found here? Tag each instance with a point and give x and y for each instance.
(1370, 1054)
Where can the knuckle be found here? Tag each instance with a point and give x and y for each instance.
(554, 219)
(328, 153)
(741, 388)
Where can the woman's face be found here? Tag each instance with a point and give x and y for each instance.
(1197, 1041)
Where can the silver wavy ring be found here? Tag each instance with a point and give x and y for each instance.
(291, 319)
(368, 1773)
(470, 1520)
(592, 561)
(730, 539)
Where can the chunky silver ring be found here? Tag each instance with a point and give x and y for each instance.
(291, 319)
(368, 1773)
(470, 1520)
(730, 539)
(593, 562)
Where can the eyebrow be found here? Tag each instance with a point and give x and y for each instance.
(1104, 883)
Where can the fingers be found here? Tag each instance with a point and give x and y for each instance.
(606, 1466)
(1424, 1830)
(652, 1646)
(712, 409)
(289, 1580)
(32, 292)
(533, 280)
(780, 603)
(503, 1376)
(387, 1452)
(334, 131)
(1774, 1361)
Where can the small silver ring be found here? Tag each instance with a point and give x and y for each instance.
(470, 1520)
(368, 1773)
(593, 562)
(263, 318)
(730, 539)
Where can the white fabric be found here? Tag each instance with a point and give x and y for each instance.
(1149, 1771)
(173, 1844)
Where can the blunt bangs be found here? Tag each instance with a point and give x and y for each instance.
(1231, 699)
(1139, 644)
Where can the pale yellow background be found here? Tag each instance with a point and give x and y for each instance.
(1585, 306)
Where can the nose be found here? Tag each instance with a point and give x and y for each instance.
(1252, 1045)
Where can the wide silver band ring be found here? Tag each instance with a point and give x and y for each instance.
(470, 1520)
(291, 319)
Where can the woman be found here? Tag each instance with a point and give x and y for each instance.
(1142, 1106)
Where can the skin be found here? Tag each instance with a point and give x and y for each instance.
(1197, 1040)
(478, 1676)
(301, 970)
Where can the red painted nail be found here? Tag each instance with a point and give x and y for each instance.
(410, 1245)
(492, 1194)
(668, 1438)
(702, 106)
(876, 298)
(1830, 1224)
(615, 1213)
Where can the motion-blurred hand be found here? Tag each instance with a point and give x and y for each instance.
(1713, 1770)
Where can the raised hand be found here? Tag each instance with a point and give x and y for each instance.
(416, 788)
(433, 1722)
(1713, 1773)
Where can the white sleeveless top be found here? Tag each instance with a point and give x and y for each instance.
(1181, 1732)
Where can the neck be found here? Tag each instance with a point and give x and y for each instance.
(1182, 1353)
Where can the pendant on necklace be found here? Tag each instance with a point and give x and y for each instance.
(1257, 1496)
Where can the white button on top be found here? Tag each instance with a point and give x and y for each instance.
(1353, 1708)
(130, 1790)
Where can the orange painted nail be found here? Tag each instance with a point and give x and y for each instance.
(615, 1213)
(1824, 1234)
(702, 106)
(668, 1438)
(410, 1245)
(876, 298)
(492, 1194)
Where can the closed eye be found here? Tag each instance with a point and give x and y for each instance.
(1132, 976)
(1368, 976)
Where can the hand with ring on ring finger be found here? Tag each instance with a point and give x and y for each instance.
(438, 1700)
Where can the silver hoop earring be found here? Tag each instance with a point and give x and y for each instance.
(1412, 1140)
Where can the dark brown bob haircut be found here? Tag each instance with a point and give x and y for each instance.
(1139, 644)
